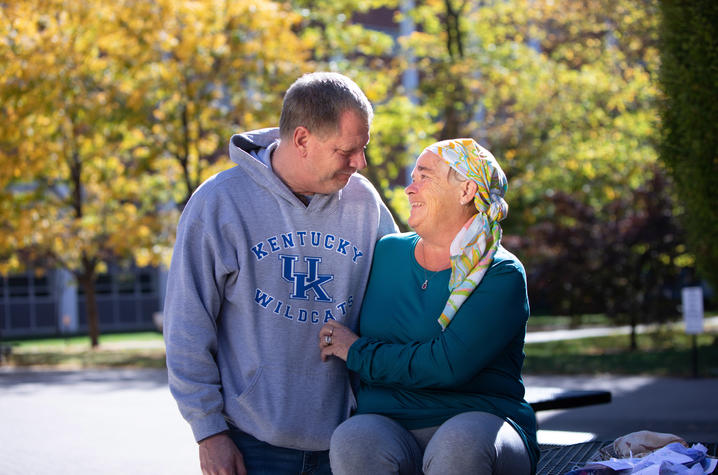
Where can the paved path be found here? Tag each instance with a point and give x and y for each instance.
(569, 334)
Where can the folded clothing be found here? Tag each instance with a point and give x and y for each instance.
(643, 442)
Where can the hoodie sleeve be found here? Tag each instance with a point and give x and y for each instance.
(192, 305)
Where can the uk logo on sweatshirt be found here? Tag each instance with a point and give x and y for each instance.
(303, 282)
(309, 295)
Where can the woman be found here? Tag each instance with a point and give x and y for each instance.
(440, 395)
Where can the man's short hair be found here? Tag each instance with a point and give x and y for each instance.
(317, 101)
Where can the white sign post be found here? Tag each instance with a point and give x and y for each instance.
(692, 300)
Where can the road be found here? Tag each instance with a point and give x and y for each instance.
(107, 422)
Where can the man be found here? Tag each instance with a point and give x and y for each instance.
(266, 253)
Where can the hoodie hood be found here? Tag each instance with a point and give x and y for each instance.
(250, 151)
(251, 143)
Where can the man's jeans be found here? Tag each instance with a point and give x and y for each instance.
(261, 458)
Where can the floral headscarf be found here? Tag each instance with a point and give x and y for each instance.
(473, 248)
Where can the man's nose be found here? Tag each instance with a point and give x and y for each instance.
(358, 161)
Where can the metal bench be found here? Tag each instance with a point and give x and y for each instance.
(548, 398)
(558, 460)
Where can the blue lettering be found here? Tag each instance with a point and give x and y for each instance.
(315, 316)
(357, 254)
(328, 316)
(351, 300)
(302, 315)
(286, 312)
(273, 243)
(262, 299)
(326, 241)
(257, 250)
(288, 240)
(278, 307)
(288, 266)
(342, 247)
(301, 235)
(312, 281)
(342, 307)
(305, 281)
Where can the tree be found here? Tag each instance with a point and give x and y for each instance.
(689, 142)
(77, 191)
(112, 105)
(564, 93)
(216, 67)
(566, 255)
(627, 266)
(645, 254)
(573, 106)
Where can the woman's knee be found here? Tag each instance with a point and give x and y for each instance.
(369, 443)
(472, 442)
(467, 431)
(354, 436)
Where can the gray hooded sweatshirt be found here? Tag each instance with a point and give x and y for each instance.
(255, 274)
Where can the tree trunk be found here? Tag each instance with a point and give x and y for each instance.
(87, 281)
(575, 321)
(634, 324)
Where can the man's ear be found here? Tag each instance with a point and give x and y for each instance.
(468, 191)
(300, 139)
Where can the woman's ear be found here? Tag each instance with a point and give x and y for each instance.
(468, 191)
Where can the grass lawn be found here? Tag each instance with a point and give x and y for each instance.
(137, 350)
(666, 352)
(84, 340)
(660, 353)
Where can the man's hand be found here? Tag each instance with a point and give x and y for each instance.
(219, 456)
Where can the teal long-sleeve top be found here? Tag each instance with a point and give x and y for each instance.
(420, 376)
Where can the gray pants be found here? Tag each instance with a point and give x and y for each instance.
(471, 443)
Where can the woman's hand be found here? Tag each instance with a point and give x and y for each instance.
(335, 340)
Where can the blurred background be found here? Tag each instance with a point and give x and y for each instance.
(603, 114)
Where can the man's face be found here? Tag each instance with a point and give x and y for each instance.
(334, 157)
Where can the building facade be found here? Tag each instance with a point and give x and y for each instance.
(51, 304)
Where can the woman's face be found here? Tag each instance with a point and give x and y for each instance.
(432, 196)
